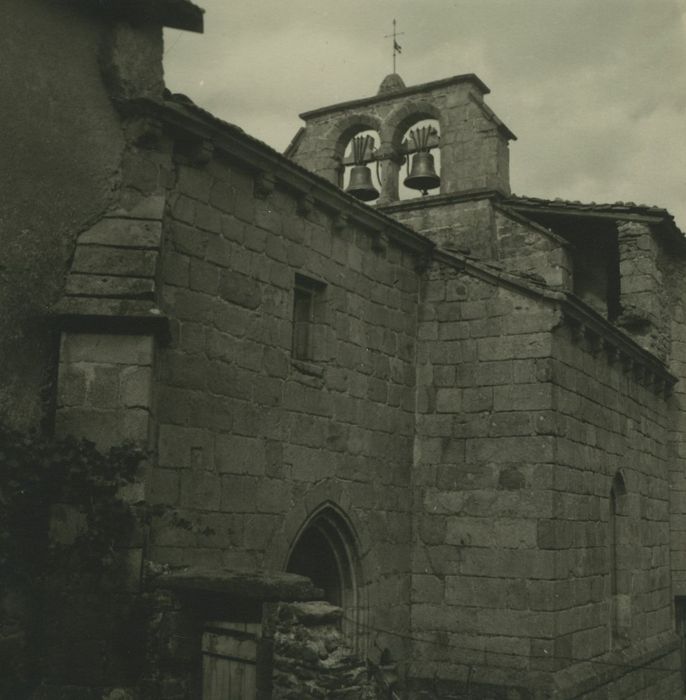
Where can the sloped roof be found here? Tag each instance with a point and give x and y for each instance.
(614, 210)
(568, 204)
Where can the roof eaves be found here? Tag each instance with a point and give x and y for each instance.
(618, 211)
(571, 206)
(258, 156)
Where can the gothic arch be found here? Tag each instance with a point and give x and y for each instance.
(330, 490)
(326, 550)
(332, 498)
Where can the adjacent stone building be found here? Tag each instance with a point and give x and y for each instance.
(459, 415)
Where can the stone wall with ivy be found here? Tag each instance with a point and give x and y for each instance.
(69, 589)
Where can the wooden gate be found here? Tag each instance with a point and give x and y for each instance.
(229, 660)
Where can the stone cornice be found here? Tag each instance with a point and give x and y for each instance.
(600, 336)
(405, 92)
(267, 164)
(437, 200)
(589, 329)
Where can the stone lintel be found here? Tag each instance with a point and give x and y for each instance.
(93, 315)
(253, 585)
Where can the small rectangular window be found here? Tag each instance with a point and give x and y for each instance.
(307, 317)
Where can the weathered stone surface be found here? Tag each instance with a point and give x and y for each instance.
(239, 584)
(124, 232)
(311, 657)
(456, 422)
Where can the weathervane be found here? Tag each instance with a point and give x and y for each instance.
(396, 46)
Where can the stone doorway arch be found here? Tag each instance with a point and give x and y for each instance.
(325, 550)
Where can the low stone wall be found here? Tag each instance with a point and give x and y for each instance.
(311, 659)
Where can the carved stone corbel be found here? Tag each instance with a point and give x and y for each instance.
(264, 184)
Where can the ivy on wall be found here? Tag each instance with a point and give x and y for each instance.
(39, 472)
(60, 511)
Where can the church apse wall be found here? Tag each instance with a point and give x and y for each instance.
(541, 517)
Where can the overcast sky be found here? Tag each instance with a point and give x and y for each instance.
(595, 90)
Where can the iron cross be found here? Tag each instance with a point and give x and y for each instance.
(396, 46)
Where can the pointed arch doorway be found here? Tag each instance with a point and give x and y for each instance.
(325, 550)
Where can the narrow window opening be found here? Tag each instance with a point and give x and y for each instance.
(620, 579)
(307, 318)
(613, 562)
(302, 321)
(680, 612)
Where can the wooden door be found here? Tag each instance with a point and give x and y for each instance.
(229, 660)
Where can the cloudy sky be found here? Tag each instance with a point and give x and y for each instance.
(594, 89)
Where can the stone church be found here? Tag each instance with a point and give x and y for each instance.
(457, 414)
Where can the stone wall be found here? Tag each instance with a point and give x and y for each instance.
(61, 131)
(105, 385)
(484, 459)
(677, 293)
(524, 247)
(465, 226)
(611, 419)
(520, 430)
(643, 290)
(251, 441)
(310, 656)
(480, 228)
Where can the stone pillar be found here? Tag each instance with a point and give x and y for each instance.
(104, 387)
(641, 288)
(391, 165)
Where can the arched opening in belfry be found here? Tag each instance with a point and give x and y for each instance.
(420, 146)
(326, 552)
(360, 173)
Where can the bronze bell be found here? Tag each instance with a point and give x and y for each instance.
(361, 185)
(423, 174)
